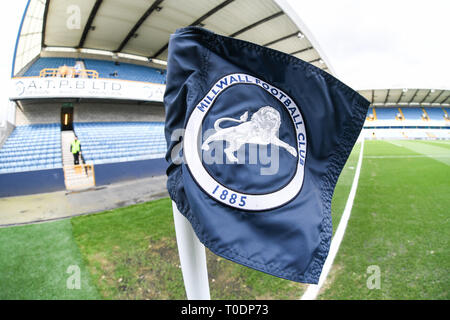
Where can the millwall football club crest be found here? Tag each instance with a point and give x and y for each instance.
(245, 114)
(262, 129)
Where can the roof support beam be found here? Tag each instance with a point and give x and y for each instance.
(400, 98)
(414, 95)
(88, 25)
(133, 30)
(445, 100)
(426, 96)
(438, 96)
(197, 22)
(387, 96)
(211, 12)
(163, 48)
(44, 23)
(257, 23)
(315, 60)
(281, 39)
(300, 51)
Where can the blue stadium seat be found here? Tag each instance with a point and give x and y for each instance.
(412, 113)
(435, 113)
(386, 113)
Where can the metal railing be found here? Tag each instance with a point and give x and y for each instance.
(68, 72)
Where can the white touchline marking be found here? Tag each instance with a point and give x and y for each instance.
(408, 156)
(313, 289)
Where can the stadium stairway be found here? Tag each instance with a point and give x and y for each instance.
(401, 113)
(76, 177)
(446, 113)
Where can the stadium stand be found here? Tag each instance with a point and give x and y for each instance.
(44, 63)
(435, 113)
(100, 111)
(386, 113)
(121, 141)
(106, 69)
(32, 147)
(125, 71)
(412, 113)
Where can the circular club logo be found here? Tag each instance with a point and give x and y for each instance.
(241, 120)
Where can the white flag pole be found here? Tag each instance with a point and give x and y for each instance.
(192, 258)
(313, 290)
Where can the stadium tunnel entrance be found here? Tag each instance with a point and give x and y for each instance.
(67, 116)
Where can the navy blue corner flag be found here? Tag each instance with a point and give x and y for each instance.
(256, 142)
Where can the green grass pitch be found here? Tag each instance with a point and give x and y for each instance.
(399, 224)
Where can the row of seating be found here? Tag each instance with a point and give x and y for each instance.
(36, 155)
(32, 147)
(121, 141)
(40, 163)
(407, 134)
(408, 113)
(436, 113)
(106, 69)
(47, 62)
(125, 71)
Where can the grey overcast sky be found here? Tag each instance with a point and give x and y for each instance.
(382, 43)
(370, 43)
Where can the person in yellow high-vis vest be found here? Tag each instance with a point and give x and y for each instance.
(75, 148)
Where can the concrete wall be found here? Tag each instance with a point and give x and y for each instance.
(92, 111)
(104, 112)
(33, 113)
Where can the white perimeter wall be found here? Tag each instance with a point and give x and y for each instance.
(394, 134)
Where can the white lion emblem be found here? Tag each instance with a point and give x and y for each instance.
(261, 129)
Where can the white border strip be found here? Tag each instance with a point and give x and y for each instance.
(313, 289)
